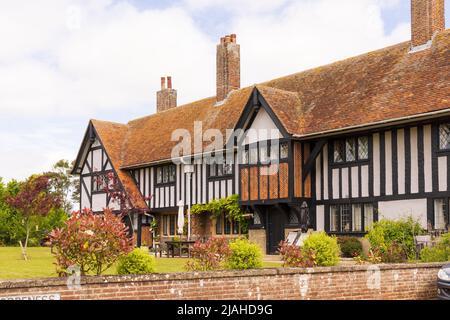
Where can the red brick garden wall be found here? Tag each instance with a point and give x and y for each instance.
(402, 281)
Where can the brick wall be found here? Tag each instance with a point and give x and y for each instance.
(403, 281)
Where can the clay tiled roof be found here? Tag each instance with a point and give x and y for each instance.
(386, 84)
(149, 139)
(382, 85)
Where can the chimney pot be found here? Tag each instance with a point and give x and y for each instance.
(166, 98)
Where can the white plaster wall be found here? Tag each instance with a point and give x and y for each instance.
(388, 158)
(344, 183)
(98, 202)
(84, 199)
(401, 161)
(376, 164)
(262, 128)
(355, 182)
(335, 184)
(442, 173)
(325, 172)
(97, 160)
(365, 181)
(417, 208)
(427, 158)
(320, 218)
(414, 161)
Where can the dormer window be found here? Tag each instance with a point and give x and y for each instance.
(444, 136)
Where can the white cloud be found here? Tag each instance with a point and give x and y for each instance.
(64, 58)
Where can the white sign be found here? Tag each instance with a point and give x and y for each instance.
(50, 296)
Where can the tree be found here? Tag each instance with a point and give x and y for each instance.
(34, 199)
(66, 184)
(94, 242)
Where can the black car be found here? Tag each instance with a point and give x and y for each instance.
(444, 283)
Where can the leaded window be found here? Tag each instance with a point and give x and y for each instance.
(346, 211)
(339, 155)
(228, 169)
(245, 157)
(263, 154)
(363, 148)
(253, 155)
(293, 219)
(100, 183)
(284, 150)
(444, 136)
(165, 174)
(350, 150)
(257, 219)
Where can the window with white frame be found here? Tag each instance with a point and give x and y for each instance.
(346, 218)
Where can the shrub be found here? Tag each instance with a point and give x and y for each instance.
(385, 233)
(350, 246)
(209, 255)
(438, 253)
(94, 242)
(138, 261)
(244, 255)
(296, 257)
(325, 247)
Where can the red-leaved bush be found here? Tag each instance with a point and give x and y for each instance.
(209, 255)
(296, 257)
(93, 242)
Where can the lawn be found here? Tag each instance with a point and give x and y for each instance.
(40, 264)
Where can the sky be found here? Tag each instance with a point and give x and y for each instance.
(63, 62)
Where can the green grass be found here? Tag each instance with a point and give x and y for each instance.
(41, 264)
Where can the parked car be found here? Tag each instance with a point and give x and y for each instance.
(444, 283)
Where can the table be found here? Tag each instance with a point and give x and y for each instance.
(182, 244)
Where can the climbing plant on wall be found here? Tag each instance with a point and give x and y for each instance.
(228, 206)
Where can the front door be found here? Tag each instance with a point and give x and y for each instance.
(276, 221)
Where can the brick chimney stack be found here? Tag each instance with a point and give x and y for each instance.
(427, 19)
(166, 98)
(228, 73)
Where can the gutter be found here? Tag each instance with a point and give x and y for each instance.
(180, 159)
(374, 125)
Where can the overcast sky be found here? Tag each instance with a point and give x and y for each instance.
(63, 62)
